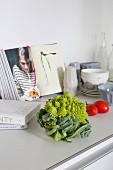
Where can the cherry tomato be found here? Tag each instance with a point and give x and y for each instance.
(91, 109)
(102, 106)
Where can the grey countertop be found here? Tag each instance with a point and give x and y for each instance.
(33, 149)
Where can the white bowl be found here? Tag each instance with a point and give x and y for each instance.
(94, 76)
(95, 81)
(92, 71)
(106, 75)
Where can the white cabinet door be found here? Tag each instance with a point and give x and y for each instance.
(105, 163)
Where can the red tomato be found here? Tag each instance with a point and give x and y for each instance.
(91, 109)
(102, 106)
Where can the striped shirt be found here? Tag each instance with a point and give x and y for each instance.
(23, 81)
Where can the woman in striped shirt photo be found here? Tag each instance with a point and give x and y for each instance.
(24, 74)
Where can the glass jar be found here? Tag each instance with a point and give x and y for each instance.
(110, 65)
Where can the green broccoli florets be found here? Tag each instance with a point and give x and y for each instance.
(57, 104)
(67, 95)
(48, 105)
(60, 106)
(62, 112)
(53, 111)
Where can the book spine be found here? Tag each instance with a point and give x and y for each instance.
(9, 126)
(12, 120)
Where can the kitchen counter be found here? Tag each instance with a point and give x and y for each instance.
(32, 149)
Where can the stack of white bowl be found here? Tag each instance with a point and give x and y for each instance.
(94, 76)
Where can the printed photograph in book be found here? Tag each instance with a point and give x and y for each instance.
(23, 71)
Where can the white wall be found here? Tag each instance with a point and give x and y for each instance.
(107, 21)
(73, 24)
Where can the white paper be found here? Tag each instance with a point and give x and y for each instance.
(49, 68)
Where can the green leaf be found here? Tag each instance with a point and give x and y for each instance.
(61, 121)
(50, 118)
(57, 136)
(52, 127)
(45, 117)
(80, 131)
(85, 131)
(39, 116)
(72, 130)
(67, 128)
(68, 139)
(41, 113)
(64, 134)
(76, 120)
(66, 124)
(51, 132)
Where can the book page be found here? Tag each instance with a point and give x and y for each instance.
(6, 93)
(23, 73)
(7, 79)
(1, 92)
(49, 68)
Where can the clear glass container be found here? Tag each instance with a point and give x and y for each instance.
(102, 56)
(110, 65)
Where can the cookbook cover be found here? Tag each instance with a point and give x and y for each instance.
(17, 112)
(20, 74)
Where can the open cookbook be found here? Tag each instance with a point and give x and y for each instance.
(26, 73)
